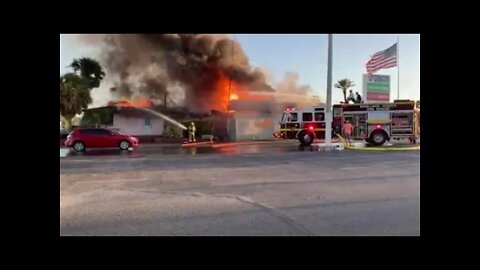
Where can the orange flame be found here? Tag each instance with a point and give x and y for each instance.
(223, 88)
(227, 91)
(139, 103)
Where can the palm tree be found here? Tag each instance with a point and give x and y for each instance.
(89, 69)
(344, 84)
(74, 96)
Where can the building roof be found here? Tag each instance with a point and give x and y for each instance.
(127, 111)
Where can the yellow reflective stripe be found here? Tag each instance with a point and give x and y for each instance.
(378, 121)
(290, 129)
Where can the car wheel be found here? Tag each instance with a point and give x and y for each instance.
(124, 145)
(378, 137)
(79, 146)
(305, 138)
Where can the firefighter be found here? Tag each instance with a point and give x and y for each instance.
(351, 97)
(347, 132)
(359, 98)
(191, 132)
(213, 132)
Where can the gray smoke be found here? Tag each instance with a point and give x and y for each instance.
(186, 68)
(291, 92)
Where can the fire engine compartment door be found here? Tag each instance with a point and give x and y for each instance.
(359, 122)
(417, 123)
(402, 124)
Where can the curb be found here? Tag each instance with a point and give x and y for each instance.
(334, 146)
(216, 145)
(64, 152)
(249, 143)
(379, 148)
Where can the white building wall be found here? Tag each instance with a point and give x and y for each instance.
(136, 125)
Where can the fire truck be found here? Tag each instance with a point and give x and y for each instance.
(376, 123)
(303, 124)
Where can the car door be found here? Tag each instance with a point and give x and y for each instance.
(98, 138)
(105, 138)
(87, 137)
(112, 139)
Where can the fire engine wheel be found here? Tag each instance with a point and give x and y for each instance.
(124, 145)
(378, 137)
(79, 146)
(305, 138)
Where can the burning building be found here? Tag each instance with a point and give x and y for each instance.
(197, 72)
(127, 117)
(251, 120)
(136, 117)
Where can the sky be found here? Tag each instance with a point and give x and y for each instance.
(307, 55)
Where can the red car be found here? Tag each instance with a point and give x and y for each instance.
(81, 139)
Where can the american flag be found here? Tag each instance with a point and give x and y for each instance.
(383, 59)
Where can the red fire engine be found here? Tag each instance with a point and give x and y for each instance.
(303, 124)
(376, 123)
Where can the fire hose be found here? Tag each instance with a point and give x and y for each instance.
(376, 148)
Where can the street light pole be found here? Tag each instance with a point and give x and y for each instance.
(328, 111)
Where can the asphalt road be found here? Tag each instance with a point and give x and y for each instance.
(269, 189)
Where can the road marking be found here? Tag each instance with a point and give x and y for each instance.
(382, 165)
(106, 181)
(354, 168)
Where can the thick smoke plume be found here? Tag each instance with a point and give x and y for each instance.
(191, 70)
(289, 91)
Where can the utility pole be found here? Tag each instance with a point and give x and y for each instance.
(229, 89)
(328, 111)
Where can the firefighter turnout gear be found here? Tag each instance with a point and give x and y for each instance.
(191, 132)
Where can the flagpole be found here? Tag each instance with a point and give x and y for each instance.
(398, 67)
